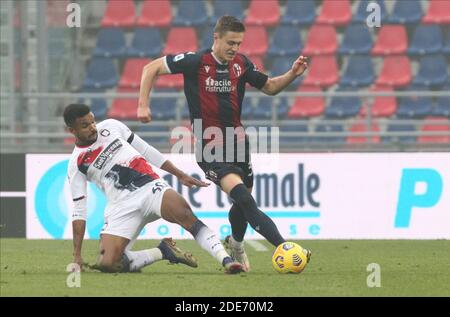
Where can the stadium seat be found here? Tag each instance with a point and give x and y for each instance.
(256, 41)
(383, 106)
(335, 12)
(248, 105)
(405, 138)
(299, 127)
(432, 71)
(147, 42)
(263, 12)
(321, 39)
(221, 8)
(435, 124)
(415, 107)
(304, 107)
(263, 109)
(357, 40)
(427, 39)
(161, 137)
(359, 72)
(343, 107)
(396, 71)
(132, 72)
(322, 128)
(164, 108)
(406, 12)
(99, 108)
(181, 40)
(323, 71)
(299, 12)
(438, 12)
(110, 43)
(446, 48)
(442, 107)
(175, 81)
(191, 13)
(392, 39)
(124, 108)
(362, 13)
(207, 38)
(101, 73)
(155, 13)
(361, 127)
(286, 41)
(119, 13)
(281, 65)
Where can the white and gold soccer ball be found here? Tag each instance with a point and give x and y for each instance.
(289, 257)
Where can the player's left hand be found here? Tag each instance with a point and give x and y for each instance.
(190, 181)
(300, 65)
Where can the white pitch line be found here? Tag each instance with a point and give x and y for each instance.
(258, 246)
(13, 194)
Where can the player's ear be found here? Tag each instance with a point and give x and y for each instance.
(70, 130)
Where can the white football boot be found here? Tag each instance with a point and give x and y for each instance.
(237, 252)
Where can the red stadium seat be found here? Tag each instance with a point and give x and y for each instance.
(322, 39)
(304, 107)
(132, 71)
(170, 81)
(119, 13)
(438, 12)
(392, 39)
(396, 72)
(263, 12)
(124, 108)
(361, 127)
(323, 71)
(256, 41)
(382, 106)
(335, 12)
(155, 13)
(430, 124)
(181, 40)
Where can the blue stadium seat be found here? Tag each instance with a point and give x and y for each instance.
(442, 108)
(101, 73)
(110, 43)
(415, 107)
(299, 12)
(99, 108)
(147, 42)
(233, 8)
(207, 38)
(406, 12)
(359, 72)
(357, 40)
(263, 109)
(191, 13)
(301, 127)
(446, 48)
(432, 71)
(283, 107)
(281, 65)
(158, 139)
(343, 107)
(427, 39)
(248, 105)
(328, 128)
(164, 108)
(286, 41)
(405, 139)
(362, 14)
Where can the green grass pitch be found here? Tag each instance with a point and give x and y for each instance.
(337, 268)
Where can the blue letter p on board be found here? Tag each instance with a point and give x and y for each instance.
(408, 199)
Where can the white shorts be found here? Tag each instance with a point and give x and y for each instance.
(127, 218)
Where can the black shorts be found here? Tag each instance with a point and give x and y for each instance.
(215, 171)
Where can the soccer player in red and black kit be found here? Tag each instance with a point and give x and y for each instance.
(214, 85)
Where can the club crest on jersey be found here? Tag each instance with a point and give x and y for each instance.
(104, 132)
(207, 68)
(237, 70)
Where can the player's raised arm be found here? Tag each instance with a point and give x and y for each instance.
(276, 84)
(149, 74)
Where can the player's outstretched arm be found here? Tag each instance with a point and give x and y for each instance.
(276, 84)
(78, 228)
(149, 74)
(185, 179)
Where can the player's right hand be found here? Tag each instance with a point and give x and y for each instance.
(144, 114)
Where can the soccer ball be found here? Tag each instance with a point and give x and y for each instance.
(289, 257)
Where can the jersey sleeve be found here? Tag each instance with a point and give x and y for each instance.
(253, 76)
(78, 190)
(183, 63)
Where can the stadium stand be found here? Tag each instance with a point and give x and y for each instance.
(263, 12)
(119, 13)
(322, 39)
(427, 39)
(147, 42)
(190, 13)
(155, 13)
(335, 12)
(406, 12)
(357, 40)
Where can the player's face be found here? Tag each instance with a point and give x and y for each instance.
(227, 46)
(85, 130)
